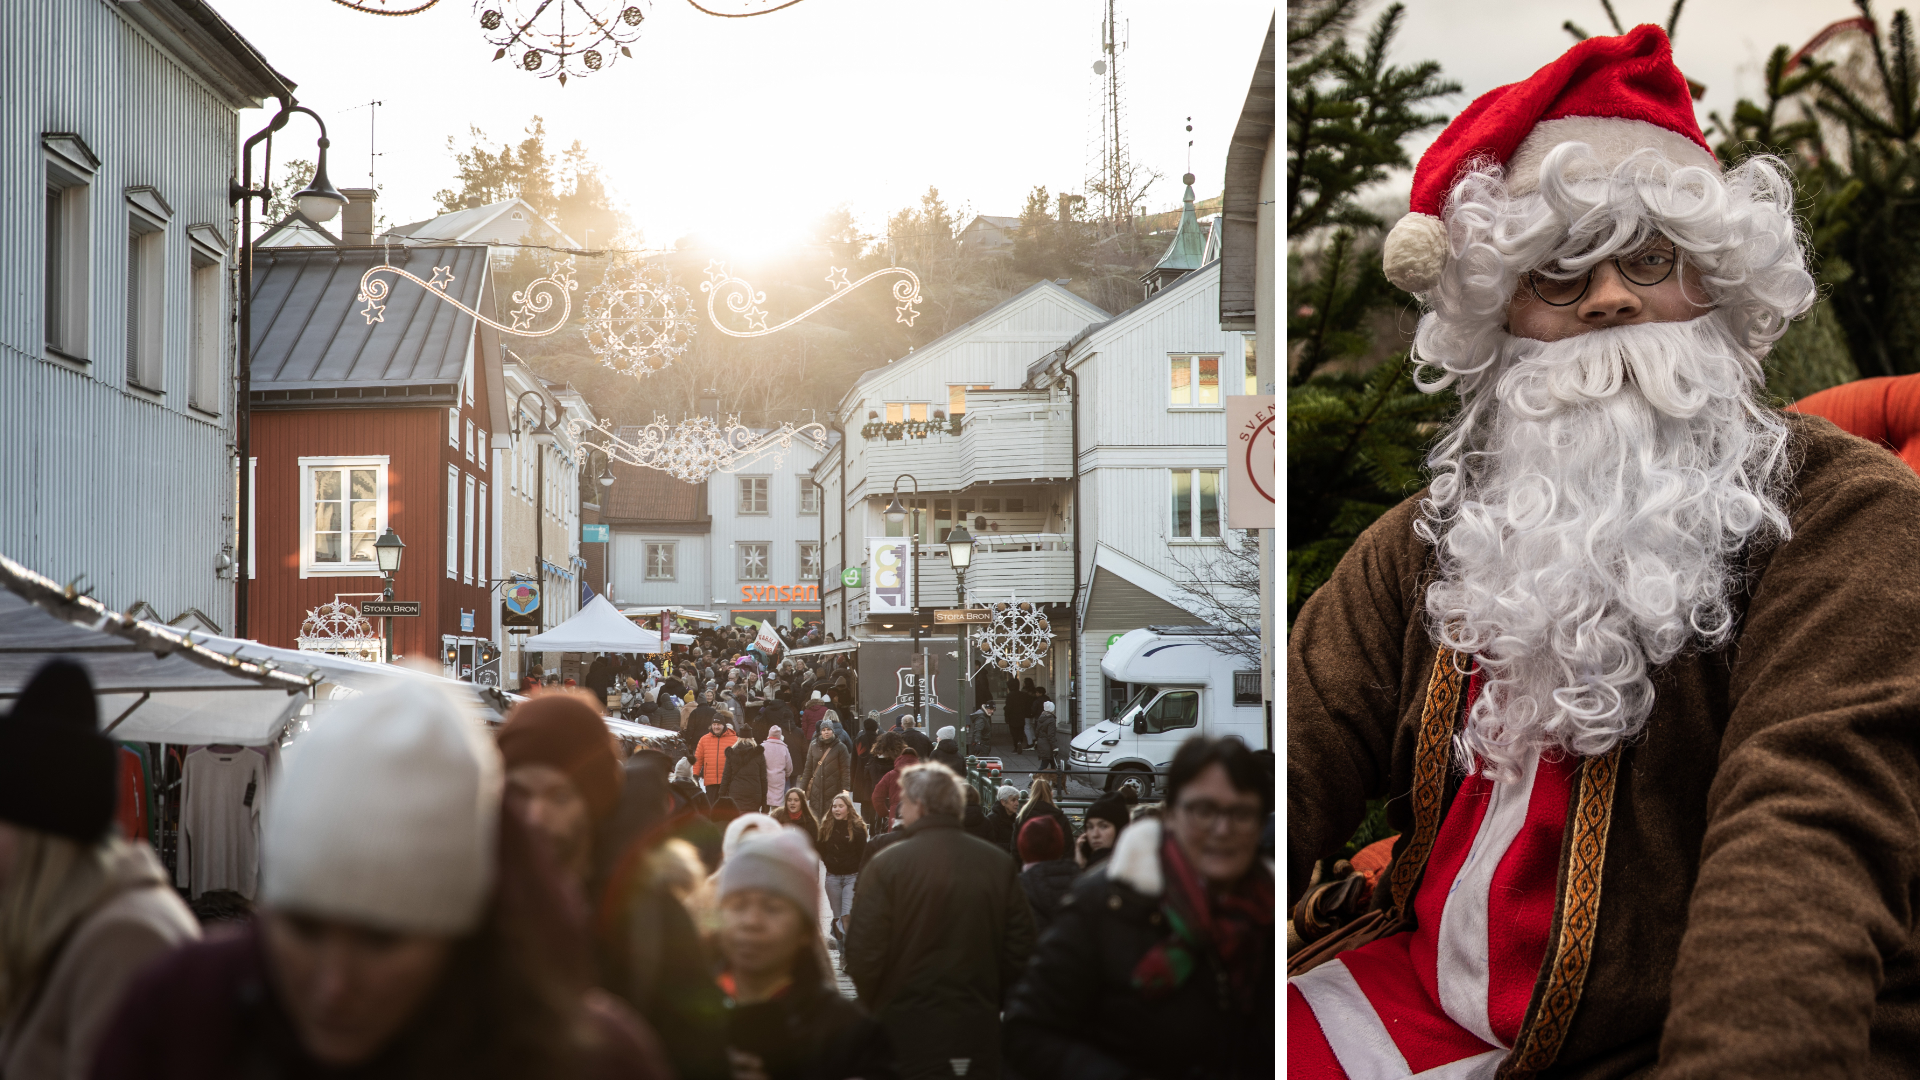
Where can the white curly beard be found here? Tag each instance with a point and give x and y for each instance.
(1588, 505)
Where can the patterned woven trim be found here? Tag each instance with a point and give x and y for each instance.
(1579, 915)
(1431, 755)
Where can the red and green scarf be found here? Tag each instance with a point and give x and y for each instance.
(1232, 924)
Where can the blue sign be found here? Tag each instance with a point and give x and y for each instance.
(593, 534)
(466, 622)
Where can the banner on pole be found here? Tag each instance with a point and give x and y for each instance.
(890, 589)
(767, 641)
(1250, 475)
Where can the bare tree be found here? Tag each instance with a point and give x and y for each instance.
(1222, 586)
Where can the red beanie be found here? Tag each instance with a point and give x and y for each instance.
(1040, 840)
(1618, 95)
(564, 731)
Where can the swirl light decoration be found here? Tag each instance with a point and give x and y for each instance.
(338, 628)
(696, 448)
(637, 320)
(1018, 639)
(561, 38)
(383, 9)
(744, 300)
(536, 299)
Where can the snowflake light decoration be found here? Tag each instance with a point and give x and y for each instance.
(743, 300)
(637, 320)
(536, 299)
(1018, 639)
(561, 38)
(338, 628)
(696, 448)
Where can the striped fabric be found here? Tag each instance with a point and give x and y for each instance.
(1447, 999)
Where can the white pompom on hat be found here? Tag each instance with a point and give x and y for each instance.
(385, 816)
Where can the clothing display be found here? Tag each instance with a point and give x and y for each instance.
(131, 811)
(222, 789)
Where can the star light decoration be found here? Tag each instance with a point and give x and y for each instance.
(637, 320)
(338, 628)
(1018, 639)
(696, 448)
(744, 300)
(561, 38)
(534, 300)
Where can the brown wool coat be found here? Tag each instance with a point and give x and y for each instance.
(1756, 913)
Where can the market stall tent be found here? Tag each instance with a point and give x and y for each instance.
(600, 628)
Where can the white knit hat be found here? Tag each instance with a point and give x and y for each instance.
(1046, 706)
(782, 863)
(385, 815)
(943, 733)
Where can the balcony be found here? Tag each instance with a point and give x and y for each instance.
(1006, 437)
(1031, 566)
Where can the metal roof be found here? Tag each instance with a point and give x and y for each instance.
(464, 223)
(1189, 246)
(309, 331)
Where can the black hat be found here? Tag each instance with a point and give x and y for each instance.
(57, 771)
(1110, 807)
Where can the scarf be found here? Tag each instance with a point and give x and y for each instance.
(1233, 925)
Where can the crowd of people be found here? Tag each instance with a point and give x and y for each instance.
(437, 899)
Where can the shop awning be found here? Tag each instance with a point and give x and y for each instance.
(656, 611)
(822, 650)
(599, 628)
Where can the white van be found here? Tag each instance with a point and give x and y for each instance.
(1180, 685)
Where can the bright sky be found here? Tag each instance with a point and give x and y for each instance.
(1722, 43)
(748, 129)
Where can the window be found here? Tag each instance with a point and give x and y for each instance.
(753, 494)
(453, 522)
(754, 561)
(69, 243)
(480, 440)
(1246, 688)
(146, 300)
(1253, 371)
(343, 511)
(1196, 504)
(1016, 505)
(469, 440)
(957, 397)
(809, 496)
(206, 282)
(896, 412)
(660, 562)
(480, 568)
(809, 560)
(453, 426)
(466, 550)
(917, 411)
(989, 506)
(1194, 382)
(1175, 710)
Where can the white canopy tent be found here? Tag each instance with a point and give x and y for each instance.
(600, 628)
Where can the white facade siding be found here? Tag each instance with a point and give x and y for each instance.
(132, 489)
(627, 569)
(782, 528)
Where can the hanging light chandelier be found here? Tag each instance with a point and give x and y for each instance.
(637, 320)
(555, 39)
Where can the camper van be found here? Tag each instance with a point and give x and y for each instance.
(1179, 682)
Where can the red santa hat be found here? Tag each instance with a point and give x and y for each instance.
(1619, 95)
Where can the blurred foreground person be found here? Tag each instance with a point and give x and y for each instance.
(786, 1020)
(411, 926)
(1160, 962)
(940, 931)
(82, 909)
(561, 765)
(1046, 873)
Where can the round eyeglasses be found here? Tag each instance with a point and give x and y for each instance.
(1646, 267)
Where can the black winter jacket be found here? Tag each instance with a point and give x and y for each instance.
(948, 753)
(841, 851)
(745, 776)
(1046, 884)
(1076, 1015)
(1000, 824)
(940, 931)
(810, 1032)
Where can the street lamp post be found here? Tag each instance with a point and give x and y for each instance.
(386, 551)
(897, 513)
(960, 556)
(319, 202)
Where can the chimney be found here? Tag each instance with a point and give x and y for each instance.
(356, 221)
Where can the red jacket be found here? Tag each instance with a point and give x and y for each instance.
(710, 757)
(886, 791)
(810, 721)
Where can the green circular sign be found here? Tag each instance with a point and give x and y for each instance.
(850, 577)
(1114, 639)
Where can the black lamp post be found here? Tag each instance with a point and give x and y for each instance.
(318, 201)
(897, 513)
(960, 556)
(386, 552)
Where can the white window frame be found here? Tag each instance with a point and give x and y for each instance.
(468, 506)
(453, 522)
(1192, 363)
(453, 427)
(740, 562)
(470, 442)
(673, 560)
(809, 497)
(803, 575)
(206, 325)
(480, 444)
(1193, 506)
(480, 568)
(146, 293)
(67, 301)
(308, 466)
(766, 495)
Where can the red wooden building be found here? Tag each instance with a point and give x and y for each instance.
(359, 426)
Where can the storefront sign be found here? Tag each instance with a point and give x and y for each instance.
(779, 594)
(982, 616)
(854, 577)
(391, 608)
(1250, 476)
(521, 605)
(466, 622)
(891, 590)
(593, 534)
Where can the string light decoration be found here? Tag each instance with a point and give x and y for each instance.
(637, 320)
(561, 38)
(534, 300)
(383, 9)
(744, 300)
(1019, 638)
(697, 448)
(338, 629)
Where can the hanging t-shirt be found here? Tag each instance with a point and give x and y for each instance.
(221, 793)
(131, 811)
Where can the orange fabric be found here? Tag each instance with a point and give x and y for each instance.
(1884, 410)
(1372, 860)
(710, 756)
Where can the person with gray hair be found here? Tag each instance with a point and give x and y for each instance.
(940, 932)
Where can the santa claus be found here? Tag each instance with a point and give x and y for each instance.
(1639, 674)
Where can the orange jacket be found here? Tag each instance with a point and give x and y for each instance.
(710, 757)
(1884, 410)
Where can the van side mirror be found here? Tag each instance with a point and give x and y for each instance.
(1139, 725)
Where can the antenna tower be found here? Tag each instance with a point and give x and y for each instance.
(1112, 188)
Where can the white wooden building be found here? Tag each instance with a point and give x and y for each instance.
(118, 141)
(537, 487)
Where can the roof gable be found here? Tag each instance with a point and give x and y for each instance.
(483, 224)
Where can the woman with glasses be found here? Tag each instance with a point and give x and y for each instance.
(1161, 964)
